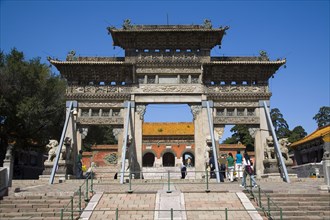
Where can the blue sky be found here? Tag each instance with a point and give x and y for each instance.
(295, 30)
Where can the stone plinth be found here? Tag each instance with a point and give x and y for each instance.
(271, 165)
(273, 177)
(64, 167)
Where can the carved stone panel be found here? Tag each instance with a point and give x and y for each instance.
(100, 121)
(236, 104)
(166, 89)
(236, 120)
(237, 89)
(100, 104)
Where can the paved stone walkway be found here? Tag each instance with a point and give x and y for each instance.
(142, 203)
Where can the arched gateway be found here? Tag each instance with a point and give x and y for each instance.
(170, 64)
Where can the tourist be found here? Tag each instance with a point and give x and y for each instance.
(230, 165)
(212, 167)
(189, 162)
(79, 173)
(238, 166)
(183, 171)
(222, 167)
(248, 170)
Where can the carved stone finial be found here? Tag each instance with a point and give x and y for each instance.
(141, 110)
(71, 56)
(116, 132)
(127, 24)
(195, 110)
(9, 155)
(207, 23)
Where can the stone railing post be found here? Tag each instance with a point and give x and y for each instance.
(326, 167)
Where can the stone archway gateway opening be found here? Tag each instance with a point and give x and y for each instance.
(148, 160)
(169, 64)
(168, 159)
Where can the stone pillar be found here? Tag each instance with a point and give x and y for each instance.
(200, 122)
(118, 133)
(260, 141)
(139, 116)
(326, 168)
(8, 163)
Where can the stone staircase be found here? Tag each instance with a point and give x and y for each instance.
(36, 199)
(36, 207)
(300, 206)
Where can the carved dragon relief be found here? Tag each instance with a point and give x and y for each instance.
(236, 104)
(100, 104)
(236, 89)
(100, 120)
(158, 88)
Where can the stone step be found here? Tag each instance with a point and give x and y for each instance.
(301, 217)
(298, 198)
(301, 213)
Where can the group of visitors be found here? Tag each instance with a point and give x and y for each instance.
(237, 168)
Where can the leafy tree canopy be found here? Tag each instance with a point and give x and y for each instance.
(296, 134)
(98, 135)
(241, 134)
(280, 125)
(32, 104)
(322, 118)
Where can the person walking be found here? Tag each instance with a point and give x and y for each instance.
(238, 166)
(230, 165)
(248, 170)
(183, 171)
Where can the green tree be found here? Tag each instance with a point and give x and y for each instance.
(280, 125)
(296, 134)
(322, 118)
(98, 135)
(241, 133)
(32, 105)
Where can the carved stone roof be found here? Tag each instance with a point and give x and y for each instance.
(85, 71)
(167, 37)
(240, 70)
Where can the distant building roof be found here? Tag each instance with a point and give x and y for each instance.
(166, 129)
(323, 132)
(232, 146)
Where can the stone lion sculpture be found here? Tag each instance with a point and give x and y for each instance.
(269, 150)
(52, 147)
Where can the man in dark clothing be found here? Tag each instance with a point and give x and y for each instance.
(212, 167)
(183, 171)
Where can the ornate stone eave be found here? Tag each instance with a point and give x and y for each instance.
(97, 96)
(86, 62)
(239, 96)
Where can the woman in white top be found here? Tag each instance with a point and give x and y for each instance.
(248, 169)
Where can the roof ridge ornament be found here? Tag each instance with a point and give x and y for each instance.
(207, 24)
(263, 55)
(71, 56)
(127, 24)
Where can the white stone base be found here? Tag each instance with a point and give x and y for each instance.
(277, 176)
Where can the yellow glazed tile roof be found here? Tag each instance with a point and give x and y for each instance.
(165, 128)
(323, 132)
